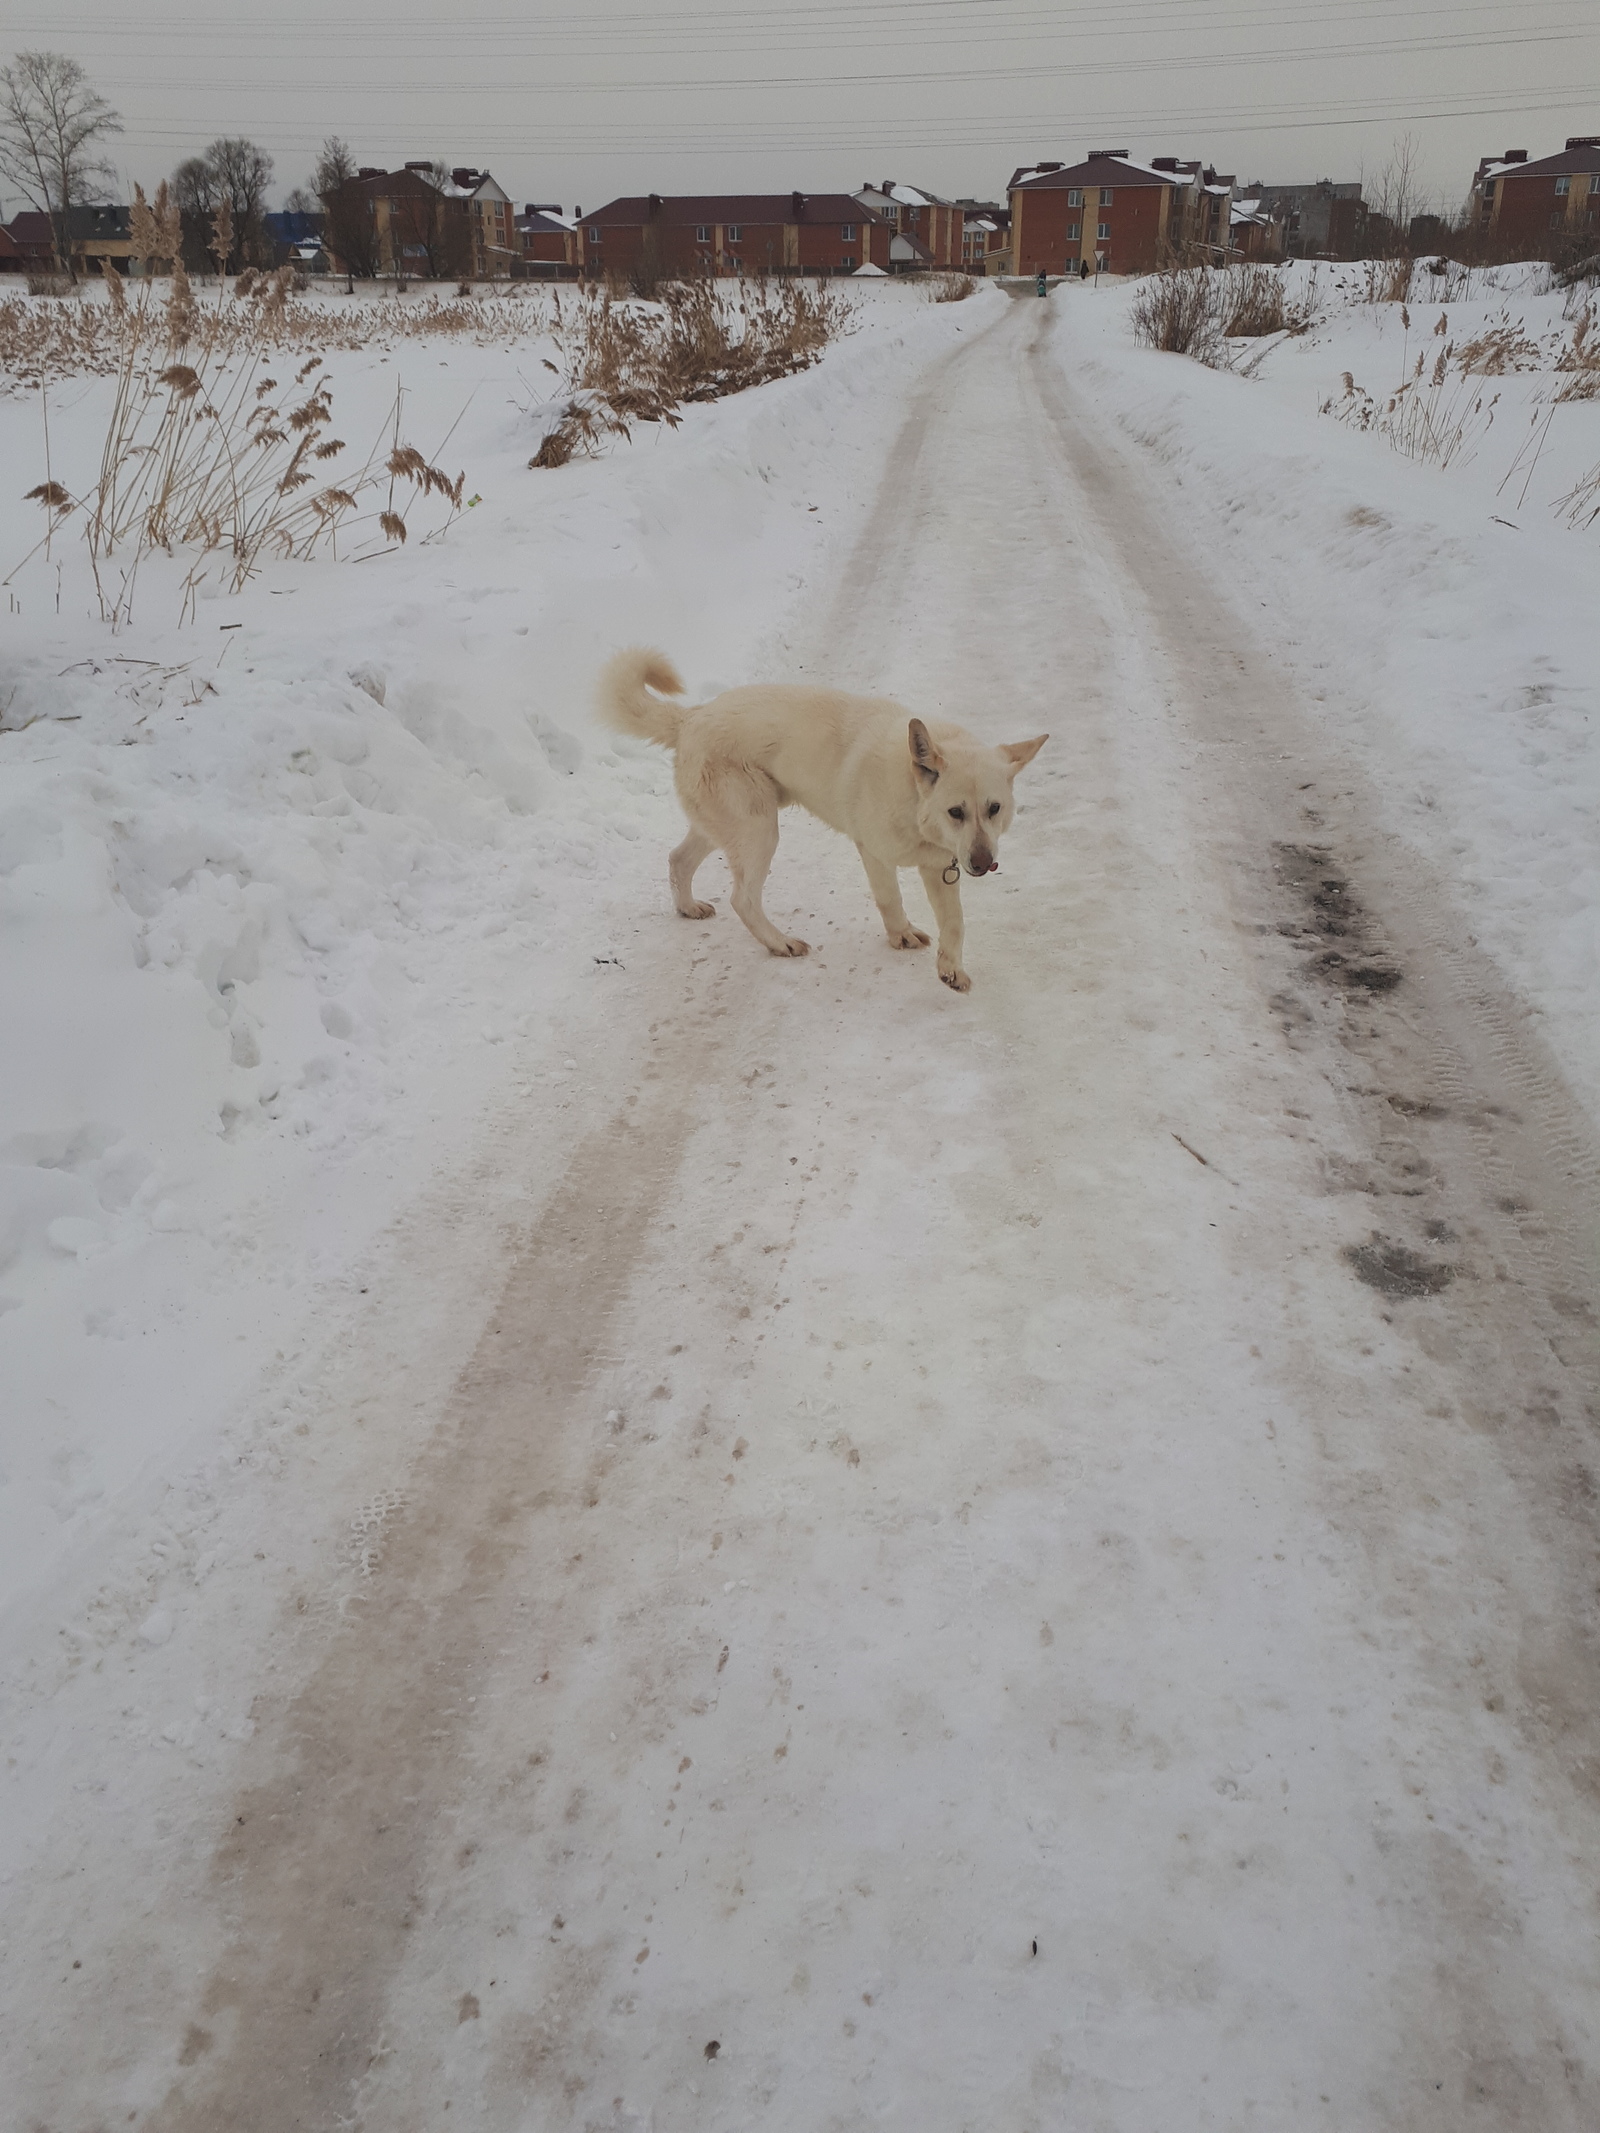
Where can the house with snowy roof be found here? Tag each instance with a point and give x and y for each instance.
(927, 231)
(985, 236)
(495, 246)
(1255, 235)
(549, 242)
(31, 243)
(1111, 212)
(1544, 209)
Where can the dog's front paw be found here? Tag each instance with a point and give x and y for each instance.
(908, 937)
(697, 910)
(793, 947)
(957, 980)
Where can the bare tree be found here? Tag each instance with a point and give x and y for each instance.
(234, 173)
(51, 121)
(350, 228)
(431, 221)
(244, 172)
(336, 166)
(194, 187)
(1397, 195)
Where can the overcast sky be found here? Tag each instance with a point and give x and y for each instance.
(575, 104)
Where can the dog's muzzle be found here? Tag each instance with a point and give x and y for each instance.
(984, 863)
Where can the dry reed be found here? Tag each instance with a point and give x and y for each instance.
(43, 342)
(1253, 305)
(625, 362)
(205, 452)
(1177, 312)
(1435, 415)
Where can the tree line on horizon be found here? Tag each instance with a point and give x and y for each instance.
(54, 125)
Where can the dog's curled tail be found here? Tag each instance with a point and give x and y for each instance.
(624, 700)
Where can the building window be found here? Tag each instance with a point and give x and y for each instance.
(847, 262)
(1102, 230)
(1563, 185)
(594, 236)
(1105, 196)
(702, 233)
(847, 230)
(735, 232)
(1074, 198)
(1074, 232)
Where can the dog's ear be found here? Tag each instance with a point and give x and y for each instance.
(1017, 753)
(925, 758)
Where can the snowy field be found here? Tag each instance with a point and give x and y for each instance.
(288, 887)
(602, 1532)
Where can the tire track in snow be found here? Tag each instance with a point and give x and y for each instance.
(1056, 1658)
(1500, 1167)
(324, 1870)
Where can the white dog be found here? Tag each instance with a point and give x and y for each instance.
(907, 795)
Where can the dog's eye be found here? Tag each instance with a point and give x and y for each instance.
(958, 814)
(993, 809)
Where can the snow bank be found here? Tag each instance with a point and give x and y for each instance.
(1444, 619)
(259, 873)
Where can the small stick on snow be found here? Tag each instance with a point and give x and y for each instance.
(1204, 1161)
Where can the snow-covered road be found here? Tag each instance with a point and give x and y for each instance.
(1022, 1561)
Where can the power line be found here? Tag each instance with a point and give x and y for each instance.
(729, 21)
(706, 85)
(1000, 132)
(678, 30)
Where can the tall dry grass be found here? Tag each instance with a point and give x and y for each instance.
(1432, 417)
(206, 451)
(625, 362)
(45, 343)
(1438, 413)
(1177, 312)
(1196, 310)
(1388, 281)
(1253, 304)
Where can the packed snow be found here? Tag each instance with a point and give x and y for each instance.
(1444, 616)
(604, 1532)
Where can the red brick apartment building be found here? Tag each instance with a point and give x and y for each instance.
(1523, 210)
(732, 233)
(1128, 217)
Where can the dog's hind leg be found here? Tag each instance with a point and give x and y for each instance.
(681, 872)
(884, 882)
(740, 810)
